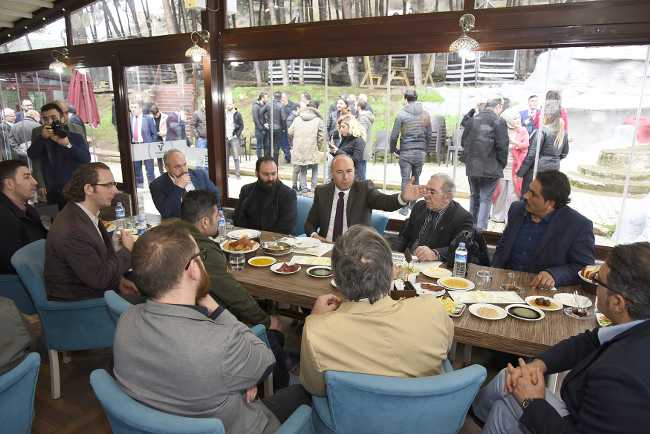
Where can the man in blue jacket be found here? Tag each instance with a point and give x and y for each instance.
(168, 189)
(60, 152)
(143, 131)
(545, 236)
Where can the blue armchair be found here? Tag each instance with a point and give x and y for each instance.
(11, 287)
(67, 326)
(128, 416)
(379, 221)
(303, 206)
(17, 389)
(391, 405)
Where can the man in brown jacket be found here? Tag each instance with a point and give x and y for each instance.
(80, 260)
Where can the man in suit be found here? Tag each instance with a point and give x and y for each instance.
(268, 204)
(25, 106)
(262, 140)
(143, 131)
(434, 222)
(344, 202)
(183, 353)
(608, 387)
(364, 331)
(545, 236)
(528, 116)
(80, 260)
(19, 221)
(168, 189)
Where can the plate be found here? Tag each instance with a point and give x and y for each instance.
(276, 268)
(319, 271)
(276, 248)
(487, 311)
(261, 261)
(305, 242)
(589, 268)
(603, 321)
(525, 312)
(435, 272)
(456, 283)
(555, 305)
(333, 283)
(240, 233)
(253, 247)
(570, 300)
(425, 288)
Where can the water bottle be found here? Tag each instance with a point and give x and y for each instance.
(141, 202)
(460, 261)
(222, 224)
(141, 224)
(120, 215)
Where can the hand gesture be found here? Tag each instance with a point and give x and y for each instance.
(183, 180)
(63, 141)
(127, 287)
(530, 385)
(514, 373)
(318, 237)
(413, 192)
(326, 303)
(426, 254)
(127, 240)
(47, 132)
(208, 302)
(543, 280)
(251, 394)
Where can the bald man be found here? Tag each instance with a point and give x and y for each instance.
(344, 202)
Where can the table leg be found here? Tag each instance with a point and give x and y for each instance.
(467, 355)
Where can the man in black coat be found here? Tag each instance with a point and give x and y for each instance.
(268, 204)
(434, 222)
(276, 117)
(608, 387)
(262, 141)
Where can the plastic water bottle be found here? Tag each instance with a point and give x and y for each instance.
(141, 202)
(222, 224)
(120, 215)
(141, 224)
(460, 261)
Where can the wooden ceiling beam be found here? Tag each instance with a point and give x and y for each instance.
(39, 3)
(14, 13)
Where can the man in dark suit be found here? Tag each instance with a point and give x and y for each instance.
(143, 131)
(80, 259)
(168, 189)
(608, 387)
(344, 202)
(528, 116)
(267, 204)
(545, 236)
(434, 222)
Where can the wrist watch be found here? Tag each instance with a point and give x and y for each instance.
(69, 146)
(526, 402)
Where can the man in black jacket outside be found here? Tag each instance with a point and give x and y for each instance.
(608, 387)
(262, 141)
(276, 116)
(234, 128)
(267, 204)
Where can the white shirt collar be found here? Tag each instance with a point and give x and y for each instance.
(93, 217)
(606, 334)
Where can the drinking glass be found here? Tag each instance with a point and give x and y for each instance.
(483, 279)
(237, 261)
(510, 282)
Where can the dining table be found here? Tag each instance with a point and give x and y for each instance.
(510, 335)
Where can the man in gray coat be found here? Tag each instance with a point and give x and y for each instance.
(485, 145)
(182, 353)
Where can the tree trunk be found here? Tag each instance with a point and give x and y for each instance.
(322, 10)
(283, 63)
(131, 5)
(417, 70)
(352, 71)
(170, 22)
(107, 10)
(147, 15)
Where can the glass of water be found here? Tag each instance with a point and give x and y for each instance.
(237, 261)
(484, 279)
(229, 226)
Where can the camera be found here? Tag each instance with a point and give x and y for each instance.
(59, 129)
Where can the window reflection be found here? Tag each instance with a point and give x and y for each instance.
(51, 35)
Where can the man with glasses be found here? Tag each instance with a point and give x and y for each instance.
(59, 152)
(434, 222)
(80, 259)
(546, 236)
(608, 387)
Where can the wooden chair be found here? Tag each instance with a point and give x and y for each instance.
(399, 69)
(369, 79)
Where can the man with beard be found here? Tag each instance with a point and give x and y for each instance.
(183, 353)
(267, 204)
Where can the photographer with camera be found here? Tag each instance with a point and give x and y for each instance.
(60, 152)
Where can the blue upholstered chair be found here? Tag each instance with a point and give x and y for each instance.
(303, 206)
(379, 221)
(17, 388)
(67, 326)
(128, 416)
(393, 405)
(12, 288)
(116, 305)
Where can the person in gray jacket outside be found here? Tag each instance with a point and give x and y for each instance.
(412, 128)
(366, 118)
(308, 133)
(21, 133)
(180, 352)
(485, 146)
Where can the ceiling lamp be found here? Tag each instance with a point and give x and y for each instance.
(465, 45)
(195, 52)
(60, 59)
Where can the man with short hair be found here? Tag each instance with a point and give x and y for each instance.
(183, 353)
(73, 120)
(168, 189)
(21, 133)
(262, 140)
(25, 106)
(545, 236)
(343, 334)
(607, 388)
(80, 260)
(234, 128)
(268, 204)
(7, 144)
(59, 151)
(412, 128)
(277, 119)
(485, 146)
(434, 222)
(19, 221)
(528, 116)
(143, 131)
(345, 202)
(199, 127)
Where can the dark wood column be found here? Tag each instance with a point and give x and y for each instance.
(120, 99)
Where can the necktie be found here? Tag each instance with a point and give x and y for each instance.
(338, 217)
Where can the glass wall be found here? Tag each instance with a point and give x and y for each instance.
(51, 35)
(485, 4)
(581, 117)
(252, 13)
(121, 19)
(167, 110)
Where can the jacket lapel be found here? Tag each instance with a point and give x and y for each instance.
(351, 197)
(327, 208)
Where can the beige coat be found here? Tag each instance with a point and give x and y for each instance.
(308, 132)
(405, 338)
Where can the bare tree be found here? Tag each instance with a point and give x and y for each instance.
(283, 63)
(131, 6)
(351, 61)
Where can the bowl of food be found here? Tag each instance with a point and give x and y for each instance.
(276, 248)
(261, 261)
(586, 275)
(242, 245)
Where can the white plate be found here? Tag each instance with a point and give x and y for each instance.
(525, 306)
(445, 281)
(555, 305)
(422, 291)
(276, 266)
(256, 246)
(583, 278)
(435, 272)
(570, 300)
(306, 242)
(240, 233)
(500, 312)
(333, 283)
(251, 261)
(317, 267)
(603, 321)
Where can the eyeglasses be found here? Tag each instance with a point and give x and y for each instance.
(201, 253)
(107, 184)
(597, 281)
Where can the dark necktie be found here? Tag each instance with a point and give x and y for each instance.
(338, 218)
